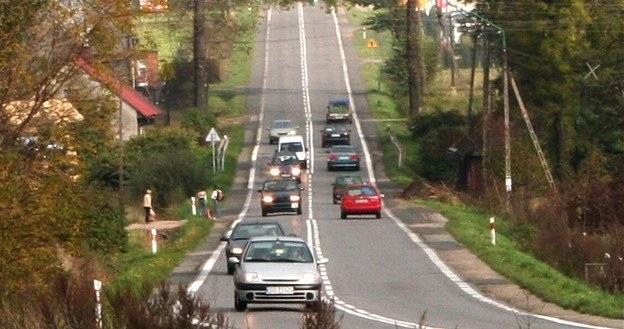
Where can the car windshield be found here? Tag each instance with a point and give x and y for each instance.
(364, 190)
(292, 147)
(278, 251)
(244, 232)
(287, 159)
(281, 185)
(281, 124)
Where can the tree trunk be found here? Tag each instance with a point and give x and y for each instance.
(199, 56)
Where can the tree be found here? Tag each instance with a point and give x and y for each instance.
(44, 204)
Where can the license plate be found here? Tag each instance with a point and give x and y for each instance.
(335, 135)
(294, 205)
(280, 290)
(361, 201)
(343, 158)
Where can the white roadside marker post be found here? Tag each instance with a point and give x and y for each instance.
(193, 206)
(154, 242)
(97, 285)
(493, 230)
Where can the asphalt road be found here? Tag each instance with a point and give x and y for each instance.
(382, 273)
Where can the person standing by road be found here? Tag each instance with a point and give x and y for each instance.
(147, 205)
(203, 203)
(217, 196)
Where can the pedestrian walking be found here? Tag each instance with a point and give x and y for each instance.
(147, 205)
(203, 203)
(217, 196)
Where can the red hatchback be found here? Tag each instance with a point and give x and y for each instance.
(361, 199)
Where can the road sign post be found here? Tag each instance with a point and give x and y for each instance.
(213, 137)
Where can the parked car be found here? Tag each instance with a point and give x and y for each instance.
(341, 183)
(338, 110)
(280, 195)
(361, 199)
(281, 128)
(277, 270)
(285, 165)
(335, 135)
(236, 239)
(343, 157)
(296, 144)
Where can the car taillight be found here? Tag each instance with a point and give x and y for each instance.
(354, 156)
(333, 156)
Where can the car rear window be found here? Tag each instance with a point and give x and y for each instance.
(365, 190)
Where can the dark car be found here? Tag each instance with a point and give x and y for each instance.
(341, 183)
(280, 195)
(277, 270)
(335, 135)
(285, 165)
(338, 110)
(343, 157)
(361, 199)
(241, 233)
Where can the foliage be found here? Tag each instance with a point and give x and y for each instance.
(169, 162)
(437, 132)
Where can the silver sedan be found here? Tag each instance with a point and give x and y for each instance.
(277, 270)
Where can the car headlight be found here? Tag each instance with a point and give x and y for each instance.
(296, 171)
(295, 198)
(237, 250)
(309, 277)
(252, 277)
(292, 132)
(274, 171)
(267, 199)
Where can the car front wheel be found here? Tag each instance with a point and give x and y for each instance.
(378, 214)
(239, 305)
(343, 215)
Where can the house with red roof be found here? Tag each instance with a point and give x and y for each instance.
(136, 111)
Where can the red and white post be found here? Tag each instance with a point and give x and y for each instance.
(154, 242)
(193, 206)
(97, 285)
(493, 230)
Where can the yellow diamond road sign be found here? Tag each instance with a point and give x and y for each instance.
(371, 43)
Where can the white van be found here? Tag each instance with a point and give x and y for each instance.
(294, 144)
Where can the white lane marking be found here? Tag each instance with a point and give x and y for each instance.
(209, 264)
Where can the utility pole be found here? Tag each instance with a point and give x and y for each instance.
(199, 55)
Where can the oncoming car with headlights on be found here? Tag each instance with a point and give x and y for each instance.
(277, 270)
(236, 238)
(285, 165)
(280, 195)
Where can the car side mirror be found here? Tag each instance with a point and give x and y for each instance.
(321, 261)
(382, 195)
(301, 189)
(260, 190)
(226, 236)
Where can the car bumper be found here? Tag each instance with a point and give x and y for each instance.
(281, 207)
(258, 294)
(343, 164)
(361, 210)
